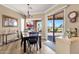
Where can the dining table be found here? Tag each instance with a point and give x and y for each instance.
(27, 37)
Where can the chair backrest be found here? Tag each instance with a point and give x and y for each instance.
(34, 33)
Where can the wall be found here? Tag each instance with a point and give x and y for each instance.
(74, 7)
(8, 12)
(55, 9)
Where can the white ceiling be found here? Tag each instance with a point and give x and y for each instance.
(23, 8)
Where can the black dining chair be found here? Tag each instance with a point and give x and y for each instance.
(22, 39)
(33, 40)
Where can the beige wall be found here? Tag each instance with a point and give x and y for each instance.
(55, 9)
(8, 12)
(67, 20)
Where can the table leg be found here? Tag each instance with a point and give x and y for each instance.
(39, 42)
(3, 39)
(6, 39)
(24, 45)
(0, 38)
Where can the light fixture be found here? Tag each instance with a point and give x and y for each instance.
(28, 12)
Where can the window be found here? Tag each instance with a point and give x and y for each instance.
(39, 26)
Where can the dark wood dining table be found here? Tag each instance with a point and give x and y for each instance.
(28, 37)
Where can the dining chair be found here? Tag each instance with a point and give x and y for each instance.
(22, 39)
(33, 40)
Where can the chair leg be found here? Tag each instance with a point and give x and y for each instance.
(34, 46)
(0, 39)
(37, 46)
(30, 48)
(21, 43)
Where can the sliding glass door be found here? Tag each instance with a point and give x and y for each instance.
(55, 26)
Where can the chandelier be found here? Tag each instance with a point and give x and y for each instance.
(28, 12)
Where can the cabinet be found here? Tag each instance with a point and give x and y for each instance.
(67, 45)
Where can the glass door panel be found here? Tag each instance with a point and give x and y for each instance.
(58, 29)
(50, 30)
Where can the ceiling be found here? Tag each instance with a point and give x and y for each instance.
(23, 8)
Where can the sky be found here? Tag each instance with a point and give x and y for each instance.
(57, 23)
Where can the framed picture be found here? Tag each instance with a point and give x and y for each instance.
(8, 21)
